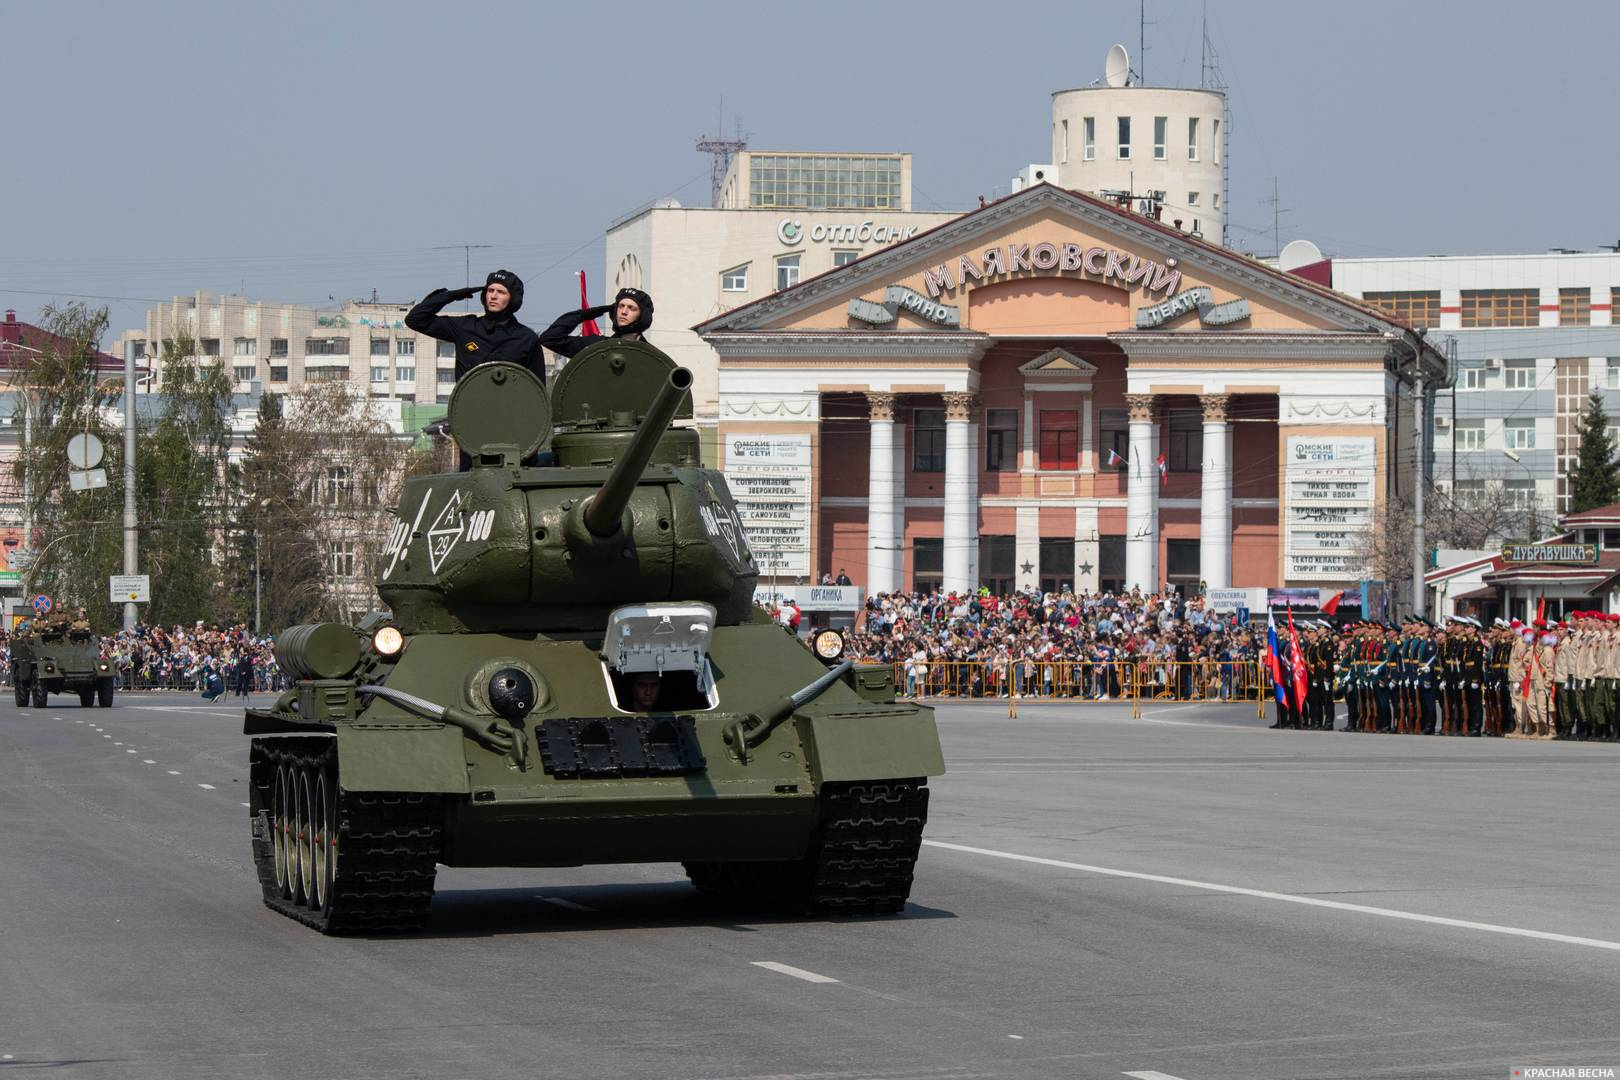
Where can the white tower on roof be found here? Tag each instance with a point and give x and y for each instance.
(1144, 141)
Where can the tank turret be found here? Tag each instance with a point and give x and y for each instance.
(625, 513)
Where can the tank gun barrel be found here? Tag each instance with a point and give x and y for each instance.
(606, 508)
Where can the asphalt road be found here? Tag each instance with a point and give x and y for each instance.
(1185, 895)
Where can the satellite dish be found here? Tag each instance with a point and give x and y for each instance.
(1297, 253)
(1117, 68)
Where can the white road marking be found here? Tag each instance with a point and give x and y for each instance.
(248, 805)
(206, 787)
(106, 736)
(1287, 898)
(186, 709)
(78, 721)
(1149, 1074)
(174, 772)
(148, 761)
(557, 901)
(1019, 1037)
(129, 751)
(797, 973)
(118, 744)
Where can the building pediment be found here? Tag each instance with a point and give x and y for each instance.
(1058, 368)
(1047, 240)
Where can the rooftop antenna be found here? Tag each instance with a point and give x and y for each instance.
(721, 150)
(1203, 51)
(1141, 42)
(1214, 80)
(466, 251)
(1277, 211)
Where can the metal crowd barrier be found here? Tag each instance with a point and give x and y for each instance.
(1076, 682)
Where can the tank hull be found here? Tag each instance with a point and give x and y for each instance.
(721, 812)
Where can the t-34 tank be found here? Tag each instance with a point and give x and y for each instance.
(573, 671)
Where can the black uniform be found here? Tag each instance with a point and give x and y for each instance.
(484, 338)
(1471, 674)
(558, 336)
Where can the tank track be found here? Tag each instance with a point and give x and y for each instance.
(861, 864)
(384, 855)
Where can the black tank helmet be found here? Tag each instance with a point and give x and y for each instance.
(643, 321)
(514, 285)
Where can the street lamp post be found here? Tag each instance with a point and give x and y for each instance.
(1420, 559)
(130, 531)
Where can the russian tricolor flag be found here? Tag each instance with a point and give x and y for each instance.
(1274, 661)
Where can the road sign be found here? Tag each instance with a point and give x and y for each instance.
(85, 479)
(20, 558)
(131, 588)
(10, 579)
(84, 451)
(42, 604)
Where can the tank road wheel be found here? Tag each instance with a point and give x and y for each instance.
(42, 696)
(104, 693)
(321, 843)
(305, 838)
(278, 825)
(87, 698)
(20, 688)
(861, 864)
(340, 861)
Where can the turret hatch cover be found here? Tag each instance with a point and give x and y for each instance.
(500, 408)
(612, 376)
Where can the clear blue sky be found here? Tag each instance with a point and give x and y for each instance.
(299, 151)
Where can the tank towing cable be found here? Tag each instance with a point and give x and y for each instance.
(748, 732)
(489, 733)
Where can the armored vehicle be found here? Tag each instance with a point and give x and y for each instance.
(57, 658)
(572, 670)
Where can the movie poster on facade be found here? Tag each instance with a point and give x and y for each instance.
(1330, 484)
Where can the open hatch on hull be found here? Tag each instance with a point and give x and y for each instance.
(655, 657)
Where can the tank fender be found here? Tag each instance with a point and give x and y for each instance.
(417, 759)
(891, 743)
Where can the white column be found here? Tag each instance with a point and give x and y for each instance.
(1027, 545)
(961, 494)
(1087, 550)
(1215, 506)
(1142, 498)
(882, 548)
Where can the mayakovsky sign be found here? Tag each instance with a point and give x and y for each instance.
(1110, 265)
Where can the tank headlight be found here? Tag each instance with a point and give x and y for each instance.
(103, 667)
(828, 644)
(388, 641)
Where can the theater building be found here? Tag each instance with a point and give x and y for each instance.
(1051, 392)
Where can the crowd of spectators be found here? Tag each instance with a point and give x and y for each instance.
(211, 660)
(1062, 644)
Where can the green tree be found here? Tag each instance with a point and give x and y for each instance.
(183, 482)
(276, 526)
(78, 534)
(320, 471)
(1596, 479)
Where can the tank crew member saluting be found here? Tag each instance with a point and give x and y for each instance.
(631, 313)
(494, 335)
